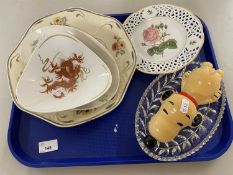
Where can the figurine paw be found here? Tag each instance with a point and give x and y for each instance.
(186, 74)
(216, 96)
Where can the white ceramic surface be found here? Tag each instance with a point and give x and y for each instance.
(62, 74)
(175, 31)
(32, 40)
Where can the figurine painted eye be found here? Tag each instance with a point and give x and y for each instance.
(164, 110)
(180, 124)
(166, 94)
(187, 116)
(171, 102)
(197, 120)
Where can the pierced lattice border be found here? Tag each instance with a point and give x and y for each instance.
(193, 28)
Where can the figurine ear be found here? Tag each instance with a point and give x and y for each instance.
(207, 64)
(197, 120)
(167, 94)
(220, 72)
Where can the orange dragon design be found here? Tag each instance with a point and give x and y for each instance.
(66, 73)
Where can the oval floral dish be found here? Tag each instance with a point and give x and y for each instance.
(189, 140)
(109, 32)
(166, 38)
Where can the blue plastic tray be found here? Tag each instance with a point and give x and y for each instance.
(107, 140)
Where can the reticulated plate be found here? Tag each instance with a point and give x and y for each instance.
(189, 140)
(61, 74)
(166, 38)
(41, 33)
(106, 30)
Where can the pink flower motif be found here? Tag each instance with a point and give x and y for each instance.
(151, 35)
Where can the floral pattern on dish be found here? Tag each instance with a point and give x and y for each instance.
(59, 21)
(67, 74)
(155, 37)
(118, 46)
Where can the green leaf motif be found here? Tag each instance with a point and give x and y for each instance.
(155, 50)
(163, 46)
(158, 50)
(171, 44)
(143, 44)
(192, 42)
(120, 53)
(149, 12)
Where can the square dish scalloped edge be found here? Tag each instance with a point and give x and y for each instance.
(109, 32)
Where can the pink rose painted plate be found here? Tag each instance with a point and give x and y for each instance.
(166, 38)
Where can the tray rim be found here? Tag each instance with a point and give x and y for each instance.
(119, 161)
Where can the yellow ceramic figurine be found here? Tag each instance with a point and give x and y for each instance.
(178, 110)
